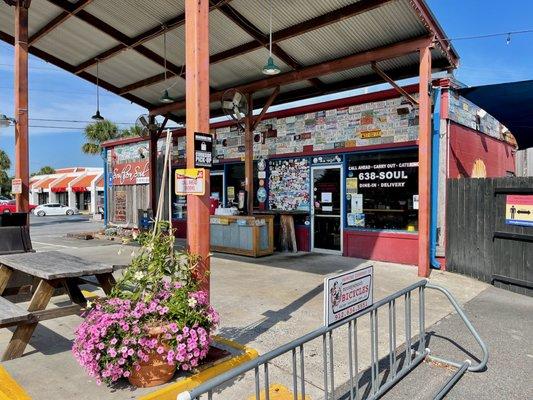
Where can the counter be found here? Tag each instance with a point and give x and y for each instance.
(243, 235)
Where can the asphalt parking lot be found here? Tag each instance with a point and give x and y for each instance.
(49, 232)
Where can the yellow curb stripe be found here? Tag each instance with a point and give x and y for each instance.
(90, 295)
(170, 392)
(278, 392)
(9, 388)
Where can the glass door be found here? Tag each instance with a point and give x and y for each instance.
(327, 209)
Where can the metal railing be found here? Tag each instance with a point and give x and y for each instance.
(376, 387)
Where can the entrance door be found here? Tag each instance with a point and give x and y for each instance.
(326, 228)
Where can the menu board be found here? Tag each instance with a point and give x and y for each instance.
(289, 184)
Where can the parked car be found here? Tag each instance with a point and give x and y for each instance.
(11, 207)
(54, 209)
(4, 199)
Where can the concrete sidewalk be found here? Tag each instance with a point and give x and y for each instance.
(263, 303)
(505, 321)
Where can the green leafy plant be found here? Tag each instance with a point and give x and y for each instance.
(157, 261)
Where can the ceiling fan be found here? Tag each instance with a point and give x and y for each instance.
(143, 123)
(235, 105)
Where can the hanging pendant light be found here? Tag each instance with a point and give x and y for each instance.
(97, 116)
(165, 98)
(271, 68)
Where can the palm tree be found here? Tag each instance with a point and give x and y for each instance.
(46, 170)
(98, 132)
(132, 131)
(101, 131)
(5, 164)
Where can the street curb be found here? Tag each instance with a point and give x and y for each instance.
(9, 388)
(170, 392)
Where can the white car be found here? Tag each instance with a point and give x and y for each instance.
(54, 209)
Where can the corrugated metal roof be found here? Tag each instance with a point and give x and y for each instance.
(153, 93)
(75, 41)
(285, 13)
(128, 67)
(385, 25)
(39, 16)
(247, 67)
(133, 17)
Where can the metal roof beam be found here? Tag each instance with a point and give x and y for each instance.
(143, 37)
(54, 23)
(70, 68)
(340, 64)
(125, 41)
(431, 23)
(247, 26)
(398, 88)
(321, 21)
(283, 34)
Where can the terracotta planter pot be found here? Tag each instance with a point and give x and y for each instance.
(156, 370)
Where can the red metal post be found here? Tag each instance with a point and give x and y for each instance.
(424, 161)
(197, 120)
(22, 167)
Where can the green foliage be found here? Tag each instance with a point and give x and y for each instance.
(46, 170)
(156, 262)
(99, 132)
(5, 181)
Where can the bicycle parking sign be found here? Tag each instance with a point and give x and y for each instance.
(347, 294)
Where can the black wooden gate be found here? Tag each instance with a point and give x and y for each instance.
(479, 243)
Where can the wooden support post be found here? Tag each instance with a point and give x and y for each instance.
(153, 165)
(22, 167)
(249, 155)
(197, 120)
(424, 161)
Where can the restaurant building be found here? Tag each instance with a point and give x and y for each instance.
(79, 187)
(345, 170)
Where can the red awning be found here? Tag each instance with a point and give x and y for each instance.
(62, 185)
(83, 183)
(44, 184)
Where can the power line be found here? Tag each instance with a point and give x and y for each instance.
(76, 121)
(488, 35)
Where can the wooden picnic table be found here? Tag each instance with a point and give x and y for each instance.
(53, 270)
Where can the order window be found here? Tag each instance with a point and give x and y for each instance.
(382, 191)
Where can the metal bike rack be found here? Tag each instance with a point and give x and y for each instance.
(413, 357)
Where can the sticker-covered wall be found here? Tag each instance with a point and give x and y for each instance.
(466, 113)
(380, 122)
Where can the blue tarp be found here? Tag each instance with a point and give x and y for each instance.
(510, 103)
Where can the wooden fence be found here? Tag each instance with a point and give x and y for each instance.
(479, 243)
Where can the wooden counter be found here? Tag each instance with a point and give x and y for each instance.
(243, 235)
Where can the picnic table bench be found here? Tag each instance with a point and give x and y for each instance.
(53, 270)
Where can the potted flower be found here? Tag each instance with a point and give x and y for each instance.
(155, 321)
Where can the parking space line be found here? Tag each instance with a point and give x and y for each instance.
(56, 245)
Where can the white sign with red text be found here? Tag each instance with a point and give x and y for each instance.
(347, 294)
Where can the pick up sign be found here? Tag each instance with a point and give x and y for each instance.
(347, 294)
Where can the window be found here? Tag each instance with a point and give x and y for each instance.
(382, 190)
(235, 182)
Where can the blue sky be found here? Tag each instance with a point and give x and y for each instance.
(55, 94)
